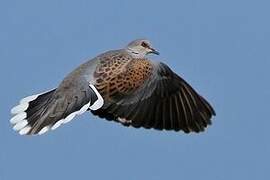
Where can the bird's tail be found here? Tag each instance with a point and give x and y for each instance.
(29, 110)
(39, 113)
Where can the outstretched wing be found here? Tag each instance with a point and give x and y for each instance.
(151, 95)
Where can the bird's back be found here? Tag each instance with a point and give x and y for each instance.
(88, 69)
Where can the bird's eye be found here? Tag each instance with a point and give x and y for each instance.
(144, 44)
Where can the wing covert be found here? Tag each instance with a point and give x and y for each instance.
(162, 100)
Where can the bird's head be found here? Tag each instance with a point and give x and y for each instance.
(141, 47)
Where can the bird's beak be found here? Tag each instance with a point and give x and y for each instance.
(154, 51)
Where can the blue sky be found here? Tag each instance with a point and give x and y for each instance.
(220, 47)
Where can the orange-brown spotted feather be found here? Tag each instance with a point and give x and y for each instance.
(120, 76)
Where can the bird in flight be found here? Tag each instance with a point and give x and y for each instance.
(122, 86)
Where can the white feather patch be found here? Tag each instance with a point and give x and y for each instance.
(20, 125)
(99, 102)
(19, 108)
(25, 130)
(43, 130)
(18, 118)
(29, 98)
(57, 124)
(70, 117)
(83, 109)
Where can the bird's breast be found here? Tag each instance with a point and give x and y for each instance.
(117, 78)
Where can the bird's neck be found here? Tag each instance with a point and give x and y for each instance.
(135, 53)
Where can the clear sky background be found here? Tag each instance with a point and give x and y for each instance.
(220, 47)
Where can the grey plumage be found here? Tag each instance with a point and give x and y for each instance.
(120, 85)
